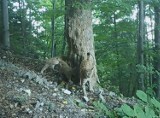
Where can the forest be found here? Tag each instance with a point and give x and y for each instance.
(80, 58)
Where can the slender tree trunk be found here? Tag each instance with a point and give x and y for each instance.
(1, 24)
(140, 44)
(150, 56)
(30, 25)
(6, 39)
(79, 33)
(65, 26)
(122, 88)
(53, 48)
(64, 38)
(23, 30)
(156, 80)
(1, 37)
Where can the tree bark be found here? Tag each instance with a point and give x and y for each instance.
(53, 48)
(1, 33)
(79, 32)
(156, 80)
(6, 39)
(65, 26)
(140, 44)
(23, 26)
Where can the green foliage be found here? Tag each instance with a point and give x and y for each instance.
(141, 95)
(138, 112)
(82, 4)
(115, 44)
(149, 109)
(30, 27)
(127, 110)
(155, 103)
(144, 69)
(102, 110)
(146, 107)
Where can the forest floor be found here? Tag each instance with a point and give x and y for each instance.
(25, 93)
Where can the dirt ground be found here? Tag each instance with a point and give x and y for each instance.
(25, 93)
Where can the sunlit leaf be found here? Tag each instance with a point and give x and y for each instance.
(141, 95)
(139, 112)
(149, 113)
(128, 110)
(155, 103)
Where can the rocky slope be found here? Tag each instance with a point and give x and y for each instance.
(25, 93)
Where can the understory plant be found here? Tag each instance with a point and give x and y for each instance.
(146, 107)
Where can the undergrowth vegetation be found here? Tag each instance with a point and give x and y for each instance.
(146, 107)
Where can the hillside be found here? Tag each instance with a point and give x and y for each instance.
(25, 93)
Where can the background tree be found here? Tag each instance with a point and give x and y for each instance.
(1, 36)
(6, 39)
(140, 45)
(37, 26)
(120, 50)
(157, 50)
(53, 49)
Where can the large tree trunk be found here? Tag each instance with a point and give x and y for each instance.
(156, 80)
(6, 40)
(140, 44)
(79, 33)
